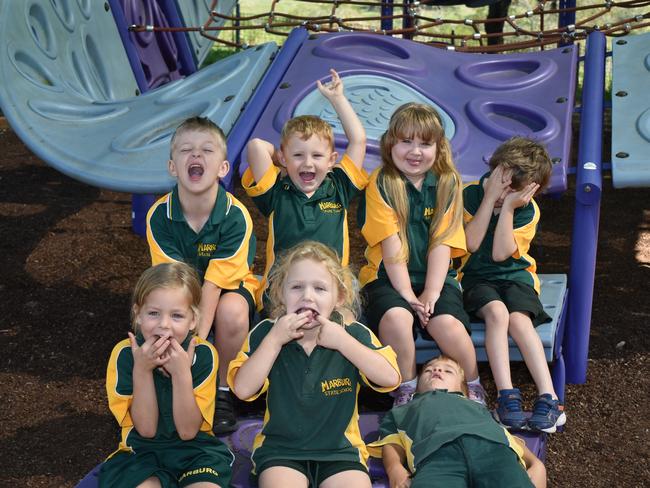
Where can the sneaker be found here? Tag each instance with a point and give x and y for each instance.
(476, 393)
(224, 413)
(402, 395)
(509, 411)
(548, 414)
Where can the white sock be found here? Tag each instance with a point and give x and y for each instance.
(477, 381)
(224, 388)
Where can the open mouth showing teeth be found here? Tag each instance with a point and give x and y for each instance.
(195, 170)
(307, 176)
(314, 313)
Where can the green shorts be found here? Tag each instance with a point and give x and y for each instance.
(249, 299)
(516, 296)
(471, 461)
(316, 471)
(380, 296)
(174, 463)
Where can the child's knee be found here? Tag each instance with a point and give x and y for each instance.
(233, 313)
(495, 312)
(396, 322)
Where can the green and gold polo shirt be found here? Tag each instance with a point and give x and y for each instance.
(311, 404)
(293, 217)
(222, 252)
(520, 266)
(434, 418)
(119, 388)
(378, 221)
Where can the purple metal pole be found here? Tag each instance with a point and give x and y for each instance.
(587, 212)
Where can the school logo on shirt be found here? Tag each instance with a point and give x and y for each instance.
(336, 386)
(330, 207)
(206, 249)
(428, 212)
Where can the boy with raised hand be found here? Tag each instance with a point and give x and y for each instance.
(443, 439)
(499, 276)
(311, 201)
(201, 224)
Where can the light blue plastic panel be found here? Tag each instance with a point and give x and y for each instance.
(552, 297)
(375, 99)
(196, 13)
(631, 111)
(122, 144)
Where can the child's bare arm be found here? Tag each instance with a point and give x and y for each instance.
(504, 244)
(535, 468)
(144, 407)
(354, 130)
(210, 294)
(437, 267)
(260, 155)
(394, 458)
(253, 372)
(372, 364)
(186, 412)
(494, 186)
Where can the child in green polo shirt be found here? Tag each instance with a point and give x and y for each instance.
(441, 439)
(412, 221)
(201, 224)
(161, 384)
(311, 364)
(311, 201)
(499, 276)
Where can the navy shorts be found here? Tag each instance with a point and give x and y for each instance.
(516, 296)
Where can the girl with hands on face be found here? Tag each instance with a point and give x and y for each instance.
(310, 363)
(161, 386)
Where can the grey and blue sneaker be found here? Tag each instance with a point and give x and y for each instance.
(509, 411)
(548, 414)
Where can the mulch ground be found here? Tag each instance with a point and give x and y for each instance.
(69, 260)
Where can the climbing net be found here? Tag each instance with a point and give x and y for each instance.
(523, 30)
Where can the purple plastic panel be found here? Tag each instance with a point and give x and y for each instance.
(156, 57)
(489, 97)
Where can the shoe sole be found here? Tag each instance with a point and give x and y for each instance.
(561, 420)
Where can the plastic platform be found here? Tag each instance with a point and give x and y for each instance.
(67, 90)
(631, 111)
(195, 13)
(241, 443)
(488, 97)
(553, 294)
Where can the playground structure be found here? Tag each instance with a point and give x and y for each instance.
(106, 119)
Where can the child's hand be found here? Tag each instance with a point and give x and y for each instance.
(287, 327)
(152, 353)
(332, 89)
(522, 197)
(428, 298)
(399, 477)
(178, 359)
(330, 333)
(416, 304)
(497, 184)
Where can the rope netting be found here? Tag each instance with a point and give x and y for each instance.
(514, 31)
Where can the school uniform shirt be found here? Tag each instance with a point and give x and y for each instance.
(434, 418)
(119, 388)
(222, 252)
(311, 404)
(378, 221)
(520, 266)
(294, 217)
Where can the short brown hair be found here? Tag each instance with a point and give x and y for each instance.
(307, 126)
(461, 371)
(528, 160)
(199, 124)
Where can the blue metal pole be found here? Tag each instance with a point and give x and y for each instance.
(567, 18)
(387, 11)
(587, 212)
(140, 205)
